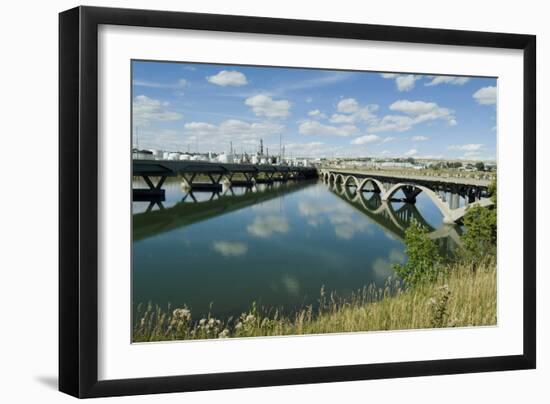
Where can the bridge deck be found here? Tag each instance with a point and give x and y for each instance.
(413, 178)
(173, 168)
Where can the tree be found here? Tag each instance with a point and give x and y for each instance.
(493, 191)
(423, 259)
(480, 166)
(454, 164)
(480, 238)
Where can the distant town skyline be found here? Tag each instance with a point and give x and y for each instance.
(316, 113)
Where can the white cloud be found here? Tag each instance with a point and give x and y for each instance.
(486, 95)
(317, 114)
(228, 78)
(413, 107)
(466, 147)
(419, 138)
(347, 106)
(350, 112)
(341, 118)
(406, 83)
(311, 149)
(267, 226)
(231, 129)
(317, 128)
(403, 82)
(411, 152)
(146, 110)
(366, 139)
(392, 123)
(447, 80)
(264, 105)
(164, 139)
(415, 112)
(309, 100)
(230, 248)
(152, 84)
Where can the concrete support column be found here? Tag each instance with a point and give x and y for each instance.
(455, 201)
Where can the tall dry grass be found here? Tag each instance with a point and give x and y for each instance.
(465, 294)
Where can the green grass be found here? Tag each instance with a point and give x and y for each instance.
(463, 295)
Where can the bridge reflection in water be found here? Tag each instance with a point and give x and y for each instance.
(396, 217)
(393, 217)
(198, 206)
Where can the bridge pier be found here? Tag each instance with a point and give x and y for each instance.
(455, 201)
(213, 185)
(282, 177)
(410, 193)
(267, 179)
(154, 192)
(248, 182)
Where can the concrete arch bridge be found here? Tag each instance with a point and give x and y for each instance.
(445, 193)
(396, 221)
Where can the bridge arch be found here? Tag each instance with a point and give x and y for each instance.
(448, 216)
(378, 186)
(339, 178)
(350, 180)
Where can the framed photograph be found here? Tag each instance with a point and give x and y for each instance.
(251, 201)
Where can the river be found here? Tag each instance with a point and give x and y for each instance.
(277, 245)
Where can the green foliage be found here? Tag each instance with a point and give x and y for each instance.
(480, 238)
(439, 307)
(454, 164)
(493, 191)
(424, 262)
(480, 166)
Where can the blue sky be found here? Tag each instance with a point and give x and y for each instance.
(316, 113)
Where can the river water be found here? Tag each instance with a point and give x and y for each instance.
(276, 245)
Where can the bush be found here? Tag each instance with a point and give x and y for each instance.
(424, 262)
(480, 238)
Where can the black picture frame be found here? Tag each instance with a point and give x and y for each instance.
(78, 200)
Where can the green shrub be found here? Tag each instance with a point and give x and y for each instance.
(424, 262)
(480, 238)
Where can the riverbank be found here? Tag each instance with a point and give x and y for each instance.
(461, 297)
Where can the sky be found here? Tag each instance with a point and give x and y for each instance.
(313, 112)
